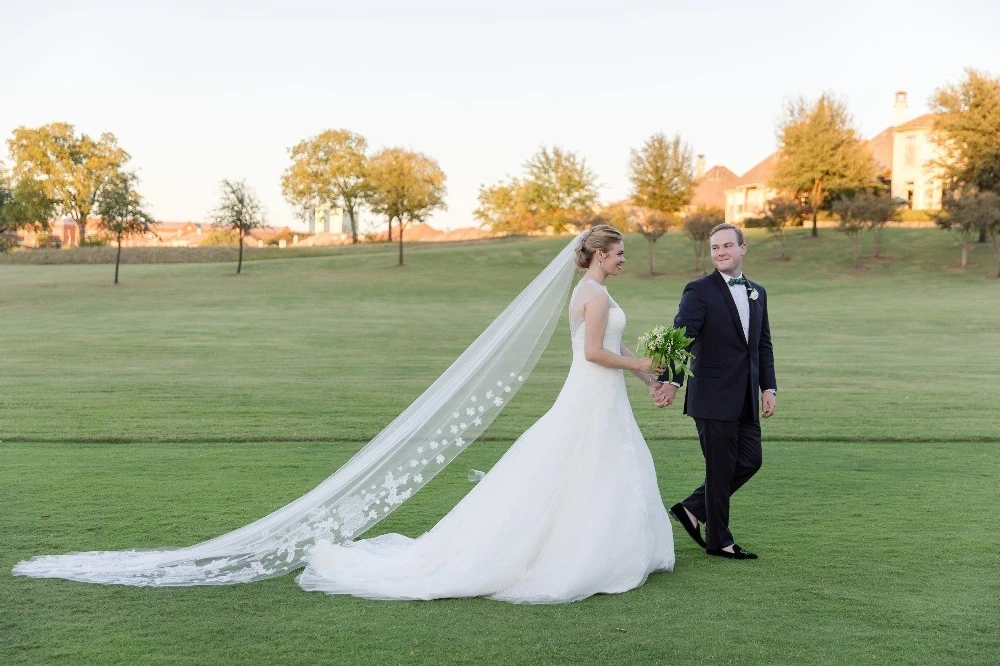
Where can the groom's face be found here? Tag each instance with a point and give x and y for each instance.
(727, 253)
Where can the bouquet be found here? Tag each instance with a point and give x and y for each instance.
(668, 349)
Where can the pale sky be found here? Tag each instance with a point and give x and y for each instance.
(201, 91)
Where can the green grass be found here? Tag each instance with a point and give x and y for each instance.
(188, 401)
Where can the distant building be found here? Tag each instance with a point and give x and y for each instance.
(903, 154)
(710, 186)
(329, 220)
(914, 177)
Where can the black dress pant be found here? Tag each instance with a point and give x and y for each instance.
(733, 454)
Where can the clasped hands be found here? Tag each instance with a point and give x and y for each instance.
(663, 394)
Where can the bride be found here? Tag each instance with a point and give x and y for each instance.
(571, 510)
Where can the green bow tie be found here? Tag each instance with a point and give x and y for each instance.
(739, 280)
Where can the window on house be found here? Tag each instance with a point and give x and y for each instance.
(910, 150)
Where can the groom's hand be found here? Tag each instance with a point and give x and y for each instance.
(768, 403)
(664, 396)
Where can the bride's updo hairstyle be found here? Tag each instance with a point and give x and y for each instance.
(600, 237)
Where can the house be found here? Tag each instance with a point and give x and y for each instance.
(914, 152)
(711, 185)
(329, 220)
(903, 153)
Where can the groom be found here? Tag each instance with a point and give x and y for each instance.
(733, 383)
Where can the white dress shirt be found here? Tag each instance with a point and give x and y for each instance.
(742, 298)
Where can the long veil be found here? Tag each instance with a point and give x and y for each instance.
(408, 453)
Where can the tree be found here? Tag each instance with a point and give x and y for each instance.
(557, 191)
(559, 187)
(23, 204)
(853, 212)
(993, 229)
(820, 153)
(123, 212)
(652, 224)
(407, 186)
(662, 178)
(779, 213)
(880, 209)
(504, 208)
(239, 210)
(387, 170)
(967, 131)
(969, 215)
(330, 169)
(71, 170)
(698, 226)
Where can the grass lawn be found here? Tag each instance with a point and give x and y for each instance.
(188, 401)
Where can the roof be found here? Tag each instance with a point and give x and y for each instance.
(760, 174)
(880, 146)
(926, 120)
(709, 190)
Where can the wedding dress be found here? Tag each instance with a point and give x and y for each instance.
(571, 510)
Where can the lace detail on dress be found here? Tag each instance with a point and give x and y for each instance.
(585, 291)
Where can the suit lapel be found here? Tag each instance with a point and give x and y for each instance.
(754, 317)
(727, 296)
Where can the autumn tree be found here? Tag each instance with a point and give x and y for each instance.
(698, 225)
(23, 204)
(406, 186)
(123, 212)
(662, 176)
(72, 170)
(240, 211)
(330, 169)
(967, 132)
(503, 208)
(779, 214)
(820, 153)
(558, 191)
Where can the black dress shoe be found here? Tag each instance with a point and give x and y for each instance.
(680, 515)
(737, 554)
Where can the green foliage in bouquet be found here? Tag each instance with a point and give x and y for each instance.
(668, 347)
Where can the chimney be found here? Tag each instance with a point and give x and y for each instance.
(900, 108)
(699, 167)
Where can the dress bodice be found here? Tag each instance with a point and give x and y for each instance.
(585, 291)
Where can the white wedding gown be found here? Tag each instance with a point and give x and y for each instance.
(571, 510)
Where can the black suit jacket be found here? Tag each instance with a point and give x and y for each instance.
(725, 363)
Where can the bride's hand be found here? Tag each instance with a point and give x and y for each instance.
(646, 366)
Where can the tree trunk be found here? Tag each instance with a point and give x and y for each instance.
(652, 271)
(877, 233)
(982, 235)
(781, 246)
(400, 242)
(118, 258)
(965, 254)
(814, 201)
(82, 229)
(856, 241)
(354, 227)
(390, 229)
(239, 264)
(697, 255)
(996, 255)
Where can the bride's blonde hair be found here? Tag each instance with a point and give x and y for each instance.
(600, 237)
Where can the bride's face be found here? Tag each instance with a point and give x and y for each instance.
(615, 259)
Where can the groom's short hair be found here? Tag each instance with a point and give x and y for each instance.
(725, 225)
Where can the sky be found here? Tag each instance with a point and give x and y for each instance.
(201, 91)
